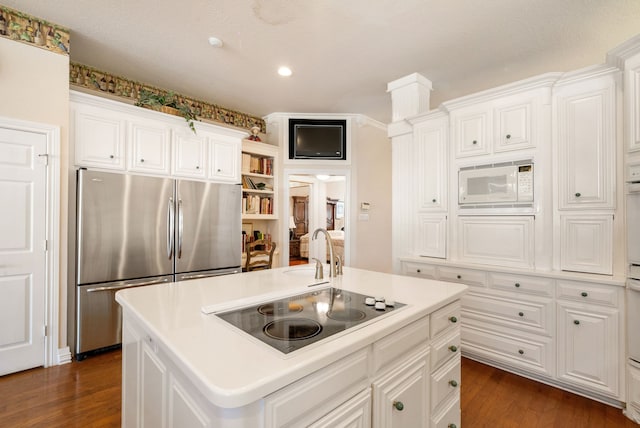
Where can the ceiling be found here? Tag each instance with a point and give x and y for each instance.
(342, 53)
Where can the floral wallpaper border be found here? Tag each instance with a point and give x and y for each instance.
(91, 78)
(37, 32)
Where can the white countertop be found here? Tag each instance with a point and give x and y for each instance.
(233, 369)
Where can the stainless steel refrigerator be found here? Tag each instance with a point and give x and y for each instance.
(137, 230)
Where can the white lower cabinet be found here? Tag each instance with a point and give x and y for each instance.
(355, 413)
(633, 391)
(561, 330)
(588, 347)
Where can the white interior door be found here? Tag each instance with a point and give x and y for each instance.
(22, 249)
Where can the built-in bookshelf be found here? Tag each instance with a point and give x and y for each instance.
(259, 185)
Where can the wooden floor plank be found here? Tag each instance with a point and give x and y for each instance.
(87, 394)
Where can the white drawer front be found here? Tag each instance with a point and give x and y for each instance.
(445, 382)
(448, 417)
(444, 318)
(534, 355)
(589, 293)
(419, 270)
(445, 348)
(463, 276)
(390, 348)
(532, 315)
(521, 284)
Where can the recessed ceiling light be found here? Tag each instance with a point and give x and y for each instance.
(284, 71)
(215, 42)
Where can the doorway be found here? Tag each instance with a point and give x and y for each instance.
(317, 200)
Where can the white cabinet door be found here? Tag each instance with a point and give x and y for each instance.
(471, 133)
(189, 155)
(224, 160)
(431, 236)
(149, 147)
(513, 127)
(586, 136)
(183, 409)
(99, 137)
(401, 397)
(430, 139)
(588, 347)
(586, 243)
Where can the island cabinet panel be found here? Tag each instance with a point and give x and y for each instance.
(355, 413)
(153, 388)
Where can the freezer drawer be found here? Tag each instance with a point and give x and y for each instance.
(100, 316)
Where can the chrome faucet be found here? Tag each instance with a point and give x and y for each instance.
(332, 260)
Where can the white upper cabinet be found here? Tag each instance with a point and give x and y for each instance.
(513, 126)
(112, 135)
(189, 155)
(585, 131)
(99, 137)
(149, 146)
(430, 142)
(224, 159)
(632, 92)
(471, 132)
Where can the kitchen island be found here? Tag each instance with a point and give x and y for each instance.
(185, 366)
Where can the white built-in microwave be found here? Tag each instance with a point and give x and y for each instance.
(496, 184)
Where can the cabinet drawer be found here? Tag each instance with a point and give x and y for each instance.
(521, 284)
(535, 315)
(463, 276)
(420, 270)
(534, 354)
(449, 417)
(392, 347)
(444, 318)
(589, 293)
(297, 404)
(445, 382)
(445, 348)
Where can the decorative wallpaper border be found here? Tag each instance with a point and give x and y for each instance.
(91, 78)
(34, 31)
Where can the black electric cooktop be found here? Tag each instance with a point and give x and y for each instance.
(294, 322)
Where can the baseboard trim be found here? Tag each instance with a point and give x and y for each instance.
(64, 355)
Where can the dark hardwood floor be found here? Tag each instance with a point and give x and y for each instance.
(87, 394)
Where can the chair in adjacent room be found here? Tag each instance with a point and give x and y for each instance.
(259, 255)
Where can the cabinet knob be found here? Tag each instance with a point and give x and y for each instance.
(584, 294)
(520, 351)
(398, 405)
(508, 136)
(453, 383)
(521, 314)
(141, 160)
(418, 270)
(576, 322)
(219, 170)
(197, 166)
(517, 285)
(452, 426)
(578, 194)
(474, 142)
(453, 319)
(459, 276)
(433, 200)
(453, 348)
(111, 156)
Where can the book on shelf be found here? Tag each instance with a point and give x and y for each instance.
(256, 204)
(256, 164)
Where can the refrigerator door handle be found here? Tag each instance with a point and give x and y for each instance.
(180, 228)
(170, 228)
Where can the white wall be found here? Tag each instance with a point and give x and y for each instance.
(34, 84)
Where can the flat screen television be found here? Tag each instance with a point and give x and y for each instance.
(318, 139)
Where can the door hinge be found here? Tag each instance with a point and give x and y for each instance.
(46, 330)
(45, 245)
(45, 158)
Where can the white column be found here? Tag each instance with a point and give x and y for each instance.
(409, 96)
